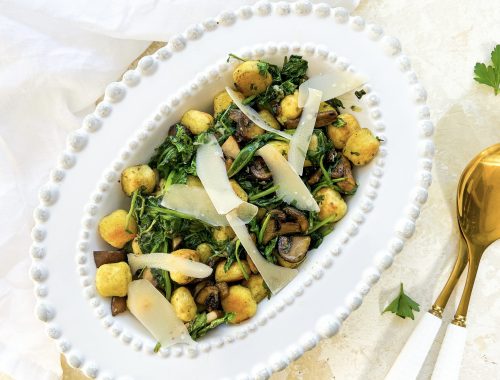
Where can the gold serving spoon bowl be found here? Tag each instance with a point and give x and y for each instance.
(478, 213)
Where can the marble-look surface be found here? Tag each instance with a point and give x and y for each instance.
(443, 39)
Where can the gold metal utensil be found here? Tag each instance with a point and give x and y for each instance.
(478, 213)
(478, 201)
(478, 209)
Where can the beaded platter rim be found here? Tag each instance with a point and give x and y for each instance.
(327, 325)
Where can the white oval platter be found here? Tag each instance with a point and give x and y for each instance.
(134, 117)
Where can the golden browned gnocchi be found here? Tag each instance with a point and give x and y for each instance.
(204, 252)
(250, 79)
(269, 118)
(139, 177)
(234, 273)
(331, 204)
(197, 121)
(116, 229)
(222, 100)
(289, 108)
(361, 147)
(221, 234)
(113, 279)
(240, 302)
(339, 133)
(183, 303)
(257, 287)
(189, 254)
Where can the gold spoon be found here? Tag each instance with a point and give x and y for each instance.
(478, 206)
(413, 354)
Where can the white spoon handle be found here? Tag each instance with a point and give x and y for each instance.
(412, 356)
(450, 355)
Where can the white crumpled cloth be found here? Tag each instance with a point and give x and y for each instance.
(56, 58)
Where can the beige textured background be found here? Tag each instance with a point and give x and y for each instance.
(443, 39)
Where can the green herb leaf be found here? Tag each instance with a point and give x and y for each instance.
(339, 123)
(268, 251)
(247, 153)
(157, 347)
(198, 327)
(234, 56)
(359, 94)
(263, 68)
(403, 305)
(294, 69)
(336, 103)
(489, 75)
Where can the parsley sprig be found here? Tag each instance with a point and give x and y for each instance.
(403, 305)
(489, 75)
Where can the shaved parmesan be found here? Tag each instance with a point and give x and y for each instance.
(253, 115)
(331, 85)
(170, 263)
(302, 136)
(193, 201)
(212, 173)
(275, 276)
(291, 188)
(157, 315)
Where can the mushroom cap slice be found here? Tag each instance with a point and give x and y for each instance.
(293, 249)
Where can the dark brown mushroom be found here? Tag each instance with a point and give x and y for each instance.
(200, 285)
(118, 305)
(243, 124)
(341, 170)
(223, 289)
(209, 297)
(324, 118)
(315, 177)
(286, 222)
(108, 257)
(293, 249)
(297, 216)
(259, 169)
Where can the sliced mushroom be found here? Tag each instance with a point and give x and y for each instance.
(118, 305)
(298, 217)
(223, 289)
(293, 249)
(209, 297)
(108, 257)
(243, 124)
(343, 169)
(286, 222)
(331, 156)
(324, 118)
(315, 177)
(259, 169)
(200, 285)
